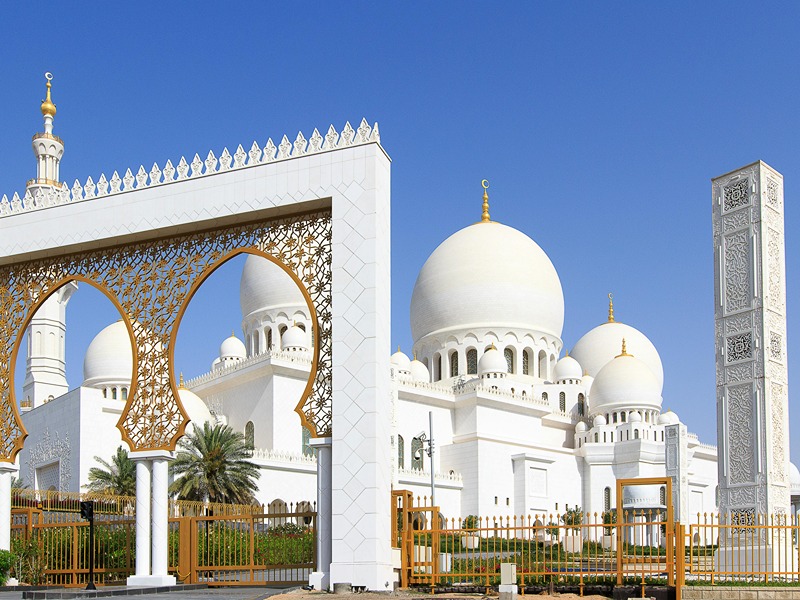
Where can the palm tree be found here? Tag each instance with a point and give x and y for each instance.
(118, 478)
(212, 465)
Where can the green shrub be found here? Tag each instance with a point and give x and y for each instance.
(6, 561)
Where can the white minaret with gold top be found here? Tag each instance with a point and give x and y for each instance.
(750, 332)
(45, 374)
(48, 149)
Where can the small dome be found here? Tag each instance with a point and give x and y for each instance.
(487, 275)
(567, 368)
(401, 361)
(580, 427)
(492, 361)
(419, 372)
(599, 421)
(599, 346)
(109, 358)
(265, 286)
(794, 480)
(625, 383)
(635, 417)
(294, 337)
(232, 347)
(668, 418)
(587, 381)
(195, 407)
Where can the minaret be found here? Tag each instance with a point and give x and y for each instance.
(750, 331)
(45, 374)
(48, 149)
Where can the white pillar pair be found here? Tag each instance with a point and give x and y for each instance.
(152, 519)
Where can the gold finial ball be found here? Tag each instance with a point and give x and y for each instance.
(48, 108)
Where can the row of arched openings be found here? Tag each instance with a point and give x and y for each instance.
(529, 366)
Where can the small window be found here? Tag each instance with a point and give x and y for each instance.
(256, 343)
(636, 434)
(437, 375)
(562, 402)
(269, 339)
(250, 436)
(472, 361)
(544, 396)
(454, 364)
(662, 496)
(607, 499)
(113, 393)
(526, 362)
(105, 392)
(623, 417)
(417, 461)
(581, 405)
(124, 393)
(401, 452)
(509, 354)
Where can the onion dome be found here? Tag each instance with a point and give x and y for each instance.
(294, 339)
(668, 418)
(109, 358)
(580, 427)
(625, 383)
(487, 275)
(794, 480)
(419, 372)
(599, 421)
(567, 368)
(265, 286)
(48, 108)
(492, 362)
(194, 406)
(232, 348)
(400, 361)
(599, 346)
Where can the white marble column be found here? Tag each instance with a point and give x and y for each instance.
(160, 520)
(320, 578)
(143, 500)
(7, 472)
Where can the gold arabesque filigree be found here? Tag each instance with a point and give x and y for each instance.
(151, 283)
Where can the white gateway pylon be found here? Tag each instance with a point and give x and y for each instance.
(750, 333)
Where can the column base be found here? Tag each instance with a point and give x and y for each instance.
(319, 581)
(150, 580)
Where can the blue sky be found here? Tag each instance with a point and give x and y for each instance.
(599, 126)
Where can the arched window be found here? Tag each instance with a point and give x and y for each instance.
(662, 496)
(250, 435)
(542, 364)
(437, 368)
(472, 361)
(623, 416)
(636, 434)
(308, 449)
(401, 452)
(596, 437)
(282, 329)
(269, 338)
(562, 402)
(509, 354)
(256, 343)
(113, 393)
(607, 498)
(301, 326)
(581, 405)
(454, 364)
(544, 396)
(124, 393)
(417, 453)
(105, 392)
(526, 362)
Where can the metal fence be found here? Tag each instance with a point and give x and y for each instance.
(276, 548)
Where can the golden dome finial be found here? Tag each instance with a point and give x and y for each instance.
(485, 216)
(415, 355)
(624, 350)
(180, 384)
(566, 352)
(398, 347)
(611, 308)
(48, 108)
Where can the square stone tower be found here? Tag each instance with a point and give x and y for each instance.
(750, 333)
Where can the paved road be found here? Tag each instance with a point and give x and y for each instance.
(231, 593)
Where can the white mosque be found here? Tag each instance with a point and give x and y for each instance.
(521, 426)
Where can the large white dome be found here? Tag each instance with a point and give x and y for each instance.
(109, 358)
(195, 408)
(487, 275)
(626, 383)
(599, 347)
(265, 286)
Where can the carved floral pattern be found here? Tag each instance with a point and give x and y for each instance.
(738, 323)
(739, 347)
(775, 346)
(736, 194)
(775, 266)
(778, 463)
(735, 220)
(737, 271)
(739, 373)
(47, 451)
(741, 438)
(773, 193)
(151, 281)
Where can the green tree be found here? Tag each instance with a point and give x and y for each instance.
(212, 465)
(118, 478)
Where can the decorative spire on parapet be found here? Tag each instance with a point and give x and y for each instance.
(485, 216)
(48, 149)
(611, 308)
(38, 196)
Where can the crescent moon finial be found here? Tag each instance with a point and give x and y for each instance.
(49, 76)
(485, 184)
(485, 216)
(610, 308)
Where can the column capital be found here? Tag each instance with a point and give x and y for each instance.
(151, 455)
(320, 442)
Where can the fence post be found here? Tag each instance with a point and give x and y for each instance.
(185, 546)
(75, 554)
(680, 560)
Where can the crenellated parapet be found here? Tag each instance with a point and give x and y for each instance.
(156, 176)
